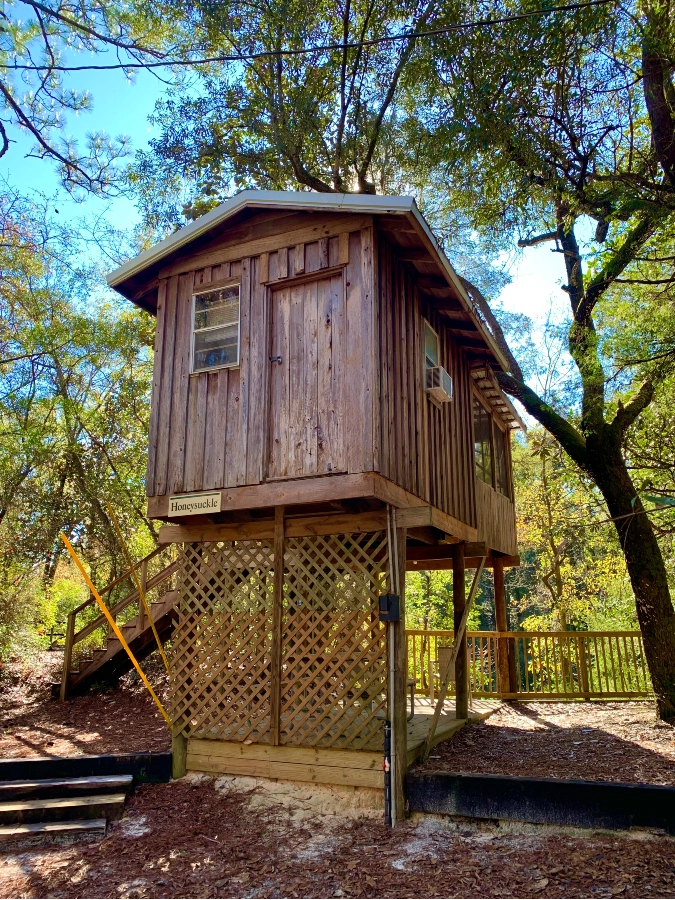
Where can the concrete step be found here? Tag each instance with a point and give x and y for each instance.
(46, 788)
(53, 830)
(97, 806)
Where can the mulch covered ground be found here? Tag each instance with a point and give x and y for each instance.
(124, 720)
(186, 839)
(593, 741)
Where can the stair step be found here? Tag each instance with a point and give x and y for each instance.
(98, 806)
(92, 827)
(44, 788)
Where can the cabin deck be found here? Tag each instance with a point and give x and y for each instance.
(448, 724)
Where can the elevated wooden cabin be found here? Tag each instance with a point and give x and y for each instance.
(317, 363)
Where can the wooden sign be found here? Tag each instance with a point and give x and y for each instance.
(194, 504)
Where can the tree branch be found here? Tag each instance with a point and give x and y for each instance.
(538, 239)
(636, 238)
(626, 415)
(661, 117)
(571, 440)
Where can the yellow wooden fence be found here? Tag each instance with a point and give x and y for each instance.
(534, 665)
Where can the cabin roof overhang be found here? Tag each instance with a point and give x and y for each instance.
(132, 279)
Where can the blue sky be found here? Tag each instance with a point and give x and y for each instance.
(123, 107)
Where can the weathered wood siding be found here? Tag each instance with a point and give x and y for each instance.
(211, 430)
(425, 449)
(496, 519)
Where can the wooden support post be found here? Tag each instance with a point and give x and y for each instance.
(178, 755)
(502, 623)
(458, 604)
(67, 656)
(400, 685)
(277, 622)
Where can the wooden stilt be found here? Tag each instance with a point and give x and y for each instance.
(458, 604)
(502, 623)
(178, 755)
(277, 619)
(400, 679)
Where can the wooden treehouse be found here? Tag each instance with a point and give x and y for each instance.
(324, 417)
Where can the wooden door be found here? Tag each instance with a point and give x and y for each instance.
(307, 380)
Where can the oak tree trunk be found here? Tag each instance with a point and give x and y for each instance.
(644, 563)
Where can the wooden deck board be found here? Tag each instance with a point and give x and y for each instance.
(448, 724)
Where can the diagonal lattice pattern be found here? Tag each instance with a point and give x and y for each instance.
(333, 681)
(221, 647)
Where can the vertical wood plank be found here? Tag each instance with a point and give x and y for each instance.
(245, 368)
(166, 391)
(258, 378)
(282, 262)
(369, 351)
(309, 429)
(264, 267)
(299, 259)
(213, 424)
(181, 379)
(323, 253)
(354, 358)
(232, 448)
(156, 395)
(296, 388)
(277, 625)
(279, 436)
(343, 248)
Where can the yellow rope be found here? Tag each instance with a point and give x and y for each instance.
(141, 592)
(113, 625)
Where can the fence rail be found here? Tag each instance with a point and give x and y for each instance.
(531, 664)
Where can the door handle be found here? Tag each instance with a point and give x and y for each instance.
(275, 359)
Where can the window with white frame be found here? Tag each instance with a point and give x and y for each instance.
(215, 328)
(431, 347)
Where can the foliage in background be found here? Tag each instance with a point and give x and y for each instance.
(573, 575)
(75, 371)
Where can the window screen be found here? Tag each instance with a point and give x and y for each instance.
(482, 425)
(431, 354)
(216, 329)
(501, 461)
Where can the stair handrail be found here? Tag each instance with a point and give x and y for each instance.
(73, 637)
(120, 578)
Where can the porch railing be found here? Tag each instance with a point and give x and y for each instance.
(532, 665)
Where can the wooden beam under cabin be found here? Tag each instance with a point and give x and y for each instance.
(412, 511)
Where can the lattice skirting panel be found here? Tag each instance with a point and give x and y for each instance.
(222, 641)
(332, 644)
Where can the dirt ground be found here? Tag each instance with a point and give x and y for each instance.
(188, 839)
(124, 720)
(592, 741)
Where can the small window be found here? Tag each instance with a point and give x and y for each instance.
(431, 350)
(482, 443)
(501, 439)
(215, 329)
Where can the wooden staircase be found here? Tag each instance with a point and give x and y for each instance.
(111, 660)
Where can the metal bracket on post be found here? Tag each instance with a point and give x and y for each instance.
(459, 638)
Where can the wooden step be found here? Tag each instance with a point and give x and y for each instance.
(44, 788)
(98, 806)
(87, 827)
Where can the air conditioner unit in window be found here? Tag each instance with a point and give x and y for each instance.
(439, 384)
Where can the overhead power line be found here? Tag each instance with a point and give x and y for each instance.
(320, 48)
